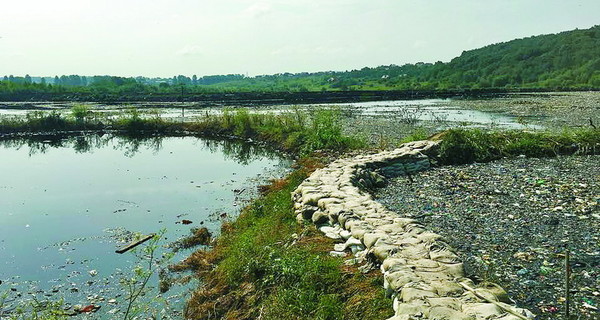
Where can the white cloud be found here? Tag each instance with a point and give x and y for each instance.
(191, 50)
(311, 50)
(418, 44)
(258, 10)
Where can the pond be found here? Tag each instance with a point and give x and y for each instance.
(67, 204)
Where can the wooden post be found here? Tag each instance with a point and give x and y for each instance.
(135, 244)
(567, 285)
(182, 105)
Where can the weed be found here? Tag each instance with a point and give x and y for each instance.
(136, 285)
(80, 112)
(265, 265)
(418, 133)
(461, 146)
(34, 310)
(326, 133)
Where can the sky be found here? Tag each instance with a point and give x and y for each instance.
(163, 38)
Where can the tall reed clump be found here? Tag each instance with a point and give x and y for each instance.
(133, 122)
(294, 130)
(300, 132)
(47, 121)
(325, 132)
(460, 146)
(80, 112)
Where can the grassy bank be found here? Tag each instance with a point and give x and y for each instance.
(267, 265)
(295, 131)
(461, 146)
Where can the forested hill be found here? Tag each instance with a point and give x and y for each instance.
(564, 61)
(568, 59)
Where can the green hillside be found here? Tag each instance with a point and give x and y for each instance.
(568, 59)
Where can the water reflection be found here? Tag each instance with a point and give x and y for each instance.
(68, 202)
(239, 151)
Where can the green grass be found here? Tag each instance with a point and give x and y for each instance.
(460, 146)
(419, 133)
(257, 267)
(294, 131)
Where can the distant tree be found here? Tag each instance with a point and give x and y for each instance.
(181, 79)
(27, 79)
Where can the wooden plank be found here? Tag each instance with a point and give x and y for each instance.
(135, 244)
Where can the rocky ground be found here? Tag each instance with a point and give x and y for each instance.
(552, 110)
(512, 221)
(388, 133)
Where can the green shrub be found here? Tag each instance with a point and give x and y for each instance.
(325, 133)
(80, 112)
(47, 121)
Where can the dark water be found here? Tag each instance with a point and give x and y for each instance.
(66, 204)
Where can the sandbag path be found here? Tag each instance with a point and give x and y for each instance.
(421, 273)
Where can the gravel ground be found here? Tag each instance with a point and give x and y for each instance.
(387, 133)
(552, 110)
(511, 221)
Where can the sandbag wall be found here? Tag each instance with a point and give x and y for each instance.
(421, 273)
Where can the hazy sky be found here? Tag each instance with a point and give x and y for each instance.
(203, 37)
